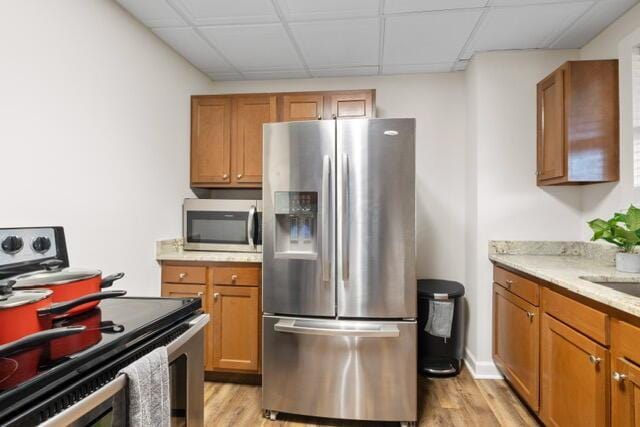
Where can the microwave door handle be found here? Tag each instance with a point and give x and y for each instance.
(326, 263)
(250, 225)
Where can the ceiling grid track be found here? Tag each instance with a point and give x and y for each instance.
(187, 19)
(292, 39)
(381, 38)
(570, 26)
(473, 33)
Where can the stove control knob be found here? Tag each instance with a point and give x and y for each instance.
(12, 244)
(41, 244)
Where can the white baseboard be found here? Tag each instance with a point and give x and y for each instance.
(481, 370)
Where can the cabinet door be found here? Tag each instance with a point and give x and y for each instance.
(351, 105)
(625, 389)
(516, 328)
(249, 114)
(575, 371)
(235, 328)
(551, 124)
(179, 290)
(302, 107)
(210, 140)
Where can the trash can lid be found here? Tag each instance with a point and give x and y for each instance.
(428, 287)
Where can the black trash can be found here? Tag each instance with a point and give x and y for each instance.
(439, 355)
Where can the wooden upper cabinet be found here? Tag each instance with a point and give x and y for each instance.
(297, 107)
(516, 342)
(574, 377)
(249, 114)
(210, 141)
(577, 124)
(226, 130)
(352, 105)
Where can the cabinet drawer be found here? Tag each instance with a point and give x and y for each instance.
(628, 341)
(237, 276)
(518, 285)
(587, 320)
(184, 274)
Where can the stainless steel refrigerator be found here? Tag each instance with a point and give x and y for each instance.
(339, 283)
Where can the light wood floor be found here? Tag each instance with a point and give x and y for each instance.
(459, 401)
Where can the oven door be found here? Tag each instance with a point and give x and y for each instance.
(221, 225)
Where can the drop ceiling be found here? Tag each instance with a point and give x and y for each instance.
(274, 39)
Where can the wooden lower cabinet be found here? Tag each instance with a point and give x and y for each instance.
(516, 343)
(236, 326)
(181, 290)
(625, 397)
(575, 372)
(230, 293)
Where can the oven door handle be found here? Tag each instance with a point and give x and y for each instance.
(250, 226)
(84, 406)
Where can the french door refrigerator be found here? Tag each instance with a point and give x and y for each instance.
(339, 284)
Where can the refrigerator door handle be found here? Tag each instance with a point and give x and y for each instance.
(250, 225)
(344, 223)
(309, 327)
(326, 263)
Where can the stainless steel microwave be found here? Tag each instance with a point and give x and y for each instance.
(222, 225)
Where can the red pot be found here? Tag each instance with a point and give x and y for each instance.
(32, 310)
(67, 283)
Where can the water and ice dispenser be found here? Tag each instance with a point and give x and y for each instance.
(296, 224)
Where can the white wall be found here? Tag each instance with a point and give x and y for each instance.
(94, 131)
(503, 201)
(601, 200)
(437, 101)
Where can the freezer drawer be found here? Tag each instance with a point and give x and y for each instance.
(364, 370)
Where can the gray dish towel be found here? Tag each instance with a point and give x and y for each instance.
(147, 402)
(440, 318)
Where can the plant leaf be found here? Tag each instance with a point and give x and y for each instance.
(599, 225)
(626, 237)
(617, 218)
(632, 219)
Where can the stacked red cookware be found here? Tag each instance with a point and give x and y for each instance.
(30, 304)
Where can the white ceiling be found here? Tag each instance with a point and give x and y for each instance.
(273, 39)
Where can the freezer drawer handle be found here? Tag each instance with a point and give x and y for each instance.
(326, 263)
(317, 328)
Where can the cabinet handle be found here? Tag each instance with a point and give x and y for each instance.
(234, 277)
(530, 315)
(508, 283)
(319, 117)
(333, 116)
(182, 275)
(617, 376)
(216, 295)
(239, 176)
(199, 294)
(594, 359)
(225, 176)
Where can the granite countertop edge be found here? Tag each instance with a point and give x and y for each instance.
(565, 265)
(173, 250)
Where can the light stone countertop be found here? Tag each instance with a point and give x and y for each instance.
(172, 250)
(564, 263)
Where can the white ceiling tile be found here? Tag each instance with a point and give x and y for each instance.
(592, 23)
(225, 76)
(214, 12)
(297, 10)
(190, 45)
(255, 47)
(338, 43)
(272, 75)
(427, 38)
(526, 27)
(348, 71)
(153, 13)
(401, 6)
(525, 2)
(417, 68)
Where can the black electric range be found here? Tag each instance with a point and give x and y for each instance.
(40, 382)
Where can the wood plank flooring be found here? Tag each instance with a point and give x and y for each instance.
(460, 401)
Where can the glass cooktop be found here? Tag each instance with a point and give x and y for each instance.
(115, 325)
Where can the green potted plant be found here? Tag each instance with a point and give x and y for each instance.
(623, 230)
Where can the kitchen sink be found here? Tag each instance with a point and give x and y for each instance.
(629, 286)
